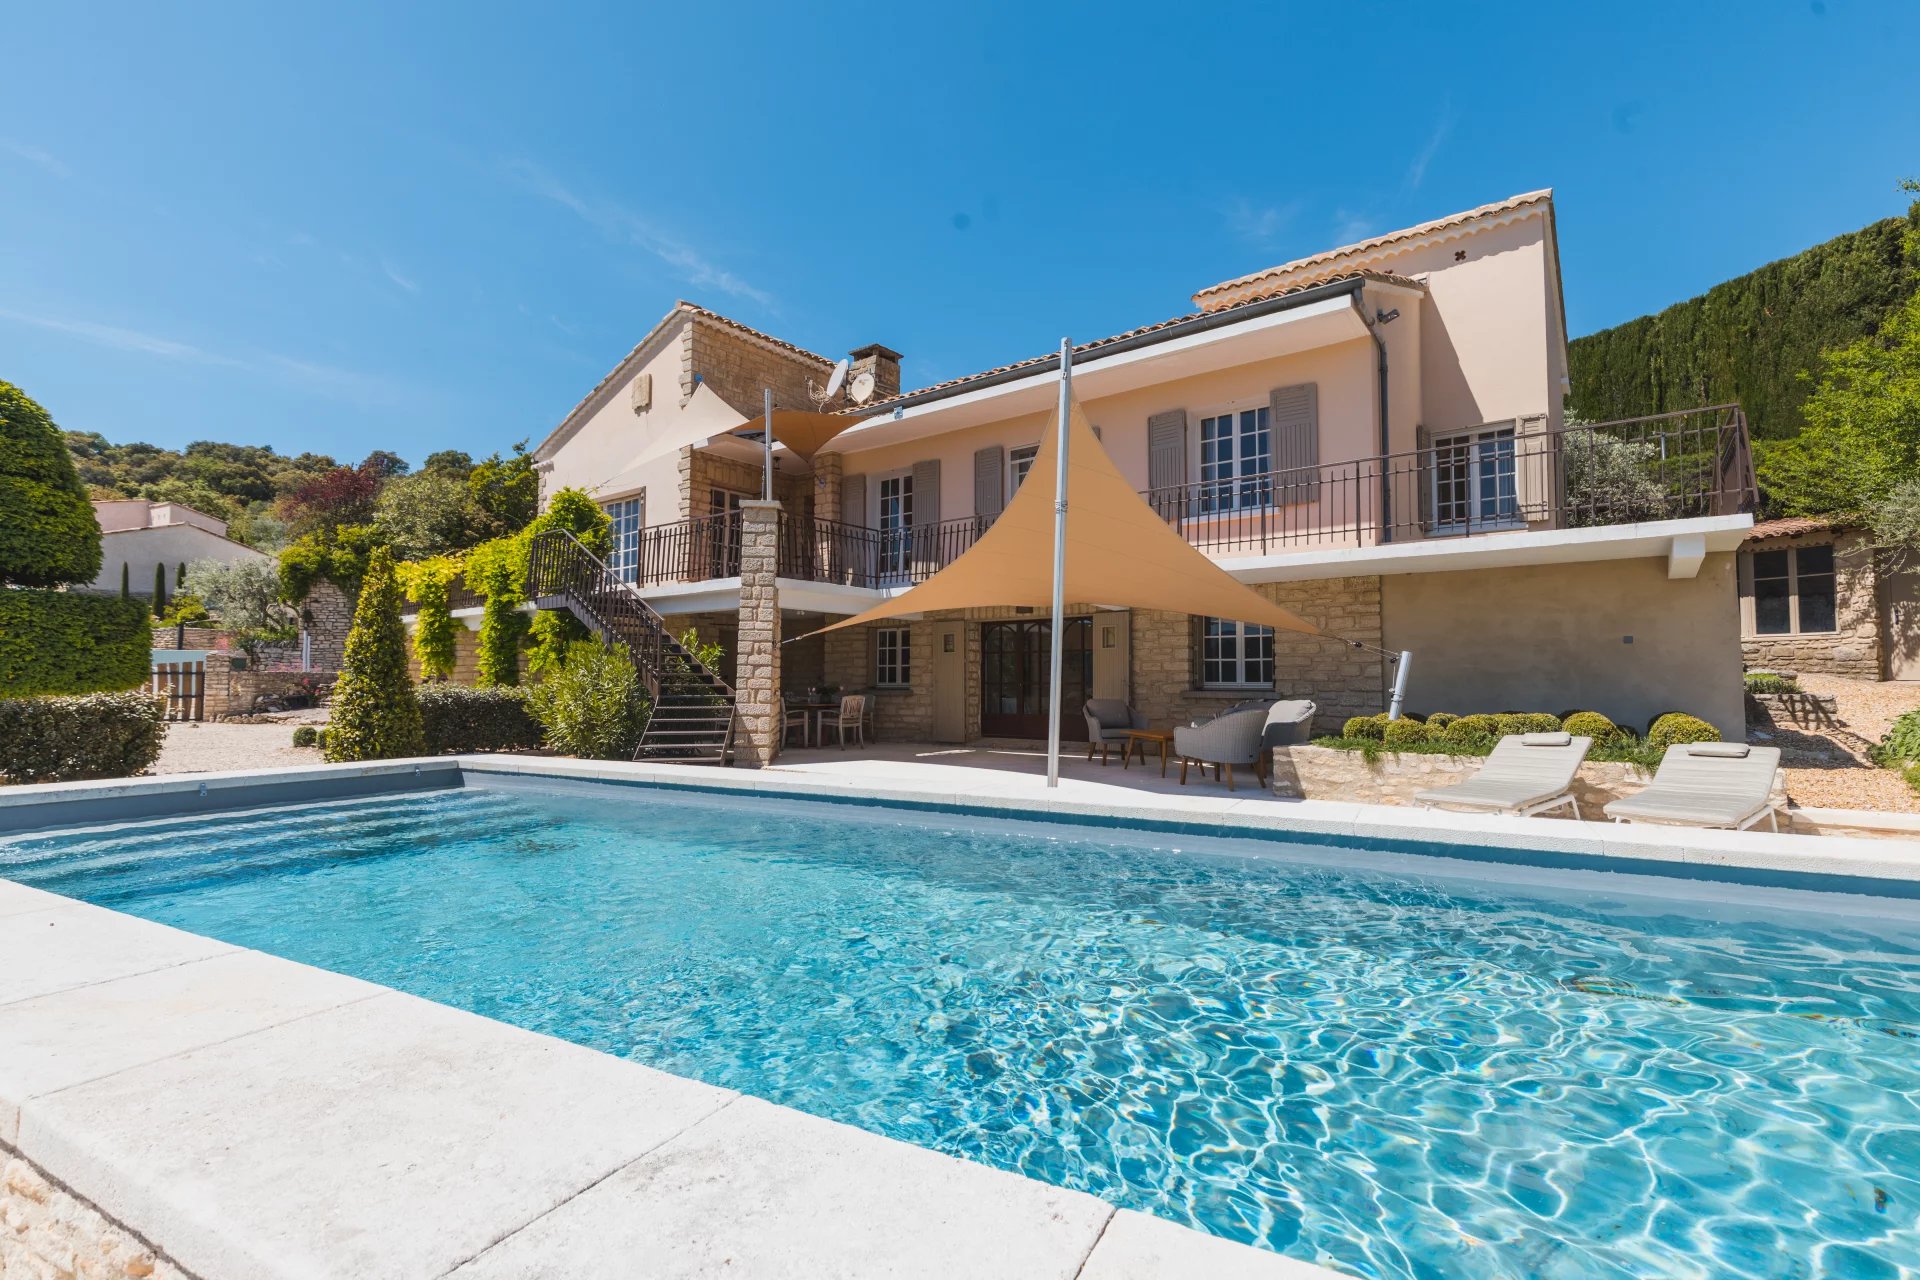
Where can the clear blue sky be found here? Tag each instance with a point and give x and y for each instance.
(346, 226)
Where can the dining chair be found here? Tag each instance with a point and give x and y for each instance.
(851, 715)
(796, 717)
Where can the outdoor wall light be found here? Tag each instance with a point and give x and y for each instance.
(1386, 317)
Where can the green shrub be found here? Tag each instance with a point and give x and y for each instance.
(306, 735)
(1470, 731)
(458, 719)
(498, 571)
(1511, 722)
(96, 735)
(1441, 719)
(375, 714)
(594, 706)
(429, 583)
(1399, 733)
(1912, 774)
(1591, 724)
(1771, 682)
(48, 534)
(1901, 745)
(1373, 728)
(1676, 727)
(61, 642)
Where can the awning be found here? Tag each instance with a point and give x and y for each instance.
(803, 431)
(1119, 552)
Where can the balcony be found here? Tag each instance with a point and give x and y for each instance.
(1672, 466)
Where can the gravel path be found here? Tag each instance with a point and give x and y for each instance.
(215, 745)
(1828, 768)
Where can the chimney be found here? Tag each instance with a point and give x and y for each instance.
(883, 363)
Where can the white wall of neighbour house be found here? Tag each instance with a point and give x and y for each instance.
(170, 545)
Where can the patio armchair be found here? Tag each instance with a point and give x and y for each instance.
(1706, 784)
(1289, 724)
(851, 716)
(1108, 720)
(1234, 737)
(1527, 773)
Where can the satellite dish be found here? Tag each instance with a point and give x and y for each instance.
(862, 389)
(835, 379)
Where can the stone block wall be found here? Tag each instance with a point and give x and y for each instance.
(326, 616)
(898, 714)
(466, 657)
(1852, 648)
(757, 668)
(737, 366)
(702, 471)
(49, 1233)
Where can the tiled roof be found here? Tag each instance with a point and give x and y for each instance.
(954, 384)
(730, 323)
(1788, 526)
(1315, 266)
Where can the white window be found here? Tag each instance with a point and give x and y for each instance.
(1236, 457)
(1474, 481)
(892, 654)
(627, 516)
(894, 520)
(1235, 655)
(1019, 462)
(1793, 590)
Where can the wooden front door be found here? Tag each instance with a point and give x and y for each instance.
(1013, 678)
(1901, 624)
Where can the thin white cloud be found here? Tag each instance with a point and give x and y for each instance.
(410, 286)
(1349, 226)
(107, 335)
(36, 157)
(623, 225)
(1417, 171)
(1260, 224)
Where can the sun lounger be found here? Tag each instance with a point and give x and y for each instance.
(1527, 773)
(1706, 784)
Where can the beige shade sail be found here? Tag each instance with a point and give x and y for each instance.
(803, 431)
(1120, 553)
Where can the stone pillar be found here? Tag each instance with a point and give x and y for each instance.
(826, 485)
(757, 665)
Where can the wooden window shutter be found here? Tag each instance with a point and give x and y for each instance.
(1293, 416)
(926, 515)
(1534, 469)
(1423, 475)
(989, 482)
(1167, 461)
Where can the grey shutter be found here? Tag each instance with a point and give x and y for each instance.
(989, 483)
(853, 500)
(1423, 476)
(1167, 462)
(1533, 467)
(926, 516)
(1293, 417)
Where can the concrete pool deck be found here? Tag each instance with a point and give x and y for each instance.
(240, 1115)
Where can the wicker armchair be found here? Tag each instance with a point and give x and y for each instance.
(1108, 720)
(1235, 736)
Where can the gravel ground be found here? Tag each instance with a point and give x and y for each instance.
(217, 744)
(1827, 768)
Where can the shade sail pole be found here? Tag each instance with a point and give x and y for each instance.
(1059, 567)
(766, 441)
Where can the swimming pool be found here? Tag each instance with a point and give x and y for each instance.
(1399, 1066)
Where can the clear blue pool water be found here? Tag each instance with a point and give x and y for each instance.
(1397, 1066)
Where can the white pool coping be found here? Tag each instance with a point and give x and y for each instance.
(255, 1117)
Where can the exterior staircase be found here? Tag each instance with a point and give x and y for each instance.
(693, 712)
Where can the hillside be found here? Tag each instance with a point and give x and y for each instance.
(1749, 339)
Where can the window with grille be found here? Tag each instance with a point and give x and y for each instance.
(892, 658)
(625, 558)
(1793, 590)
(1475, 481)
(1235, 655)
(1236, 460)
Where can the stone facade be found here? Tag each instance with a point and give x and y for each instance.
(1852, 648)
(702, 471)
(737, 366)
(325, 618)
(49, 1233)
(757, 667)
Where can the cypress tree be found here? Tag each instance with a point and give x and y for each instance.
(159, 590)
(126, 581)
(48, 533)
(376, 715)
(180, 576)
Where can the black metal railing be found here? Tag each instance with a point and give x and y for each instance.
(1499, 478)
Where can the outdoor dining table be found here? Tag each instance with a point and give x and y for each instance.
(810, 729)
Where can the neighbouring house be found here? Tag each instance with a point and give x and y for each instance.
(1814, 597)
(1371, 436)
(137, 535)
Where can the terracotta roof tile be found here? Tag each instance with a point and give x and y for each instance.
(1249, 287)
(1788, 526)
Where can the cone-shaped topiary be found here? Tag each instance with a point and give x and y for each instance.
(375, 713)
(48, 534)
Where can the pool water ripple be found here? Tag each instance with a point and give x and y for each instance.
(1395, 1073)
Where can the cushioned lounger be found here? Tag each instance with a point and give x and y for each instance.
(1527, 773)
(1706, 784)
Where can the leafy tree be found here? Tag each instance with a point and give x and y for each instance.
(1895, 522)
(342, 496)
(245, 596)
(593, 706)
(186, 609)
(375, 714)
(498, 571)
(427, 584)
(336, 555)
(237, 483)
(457, 462)
(48, 534)
(553, 631)
(507, 489)
(430, 513)
(384, 465)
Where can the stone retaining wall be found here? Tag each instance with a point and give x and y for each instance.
(48, 1232)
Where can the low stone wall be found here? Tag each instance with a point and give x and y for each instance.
(1325, 773)
(1798, 710)
(47, 1231)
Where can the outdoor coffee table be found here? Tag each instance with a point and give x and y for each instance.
(1137, 740)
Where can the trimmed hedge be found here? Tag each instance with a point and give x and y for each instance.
(1401, 732)
(1591, 724)
(48, 533)
(458, 719)
(60, 642)
(96, 735)
(306, 735)
(1677, 726)
(1371, 727)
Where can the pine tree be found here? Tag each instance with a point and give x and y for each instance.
(375, 713)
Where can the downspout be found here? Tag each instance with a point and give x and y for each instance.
(1386, 481)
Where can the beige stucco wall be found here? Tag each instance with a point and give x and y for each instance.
(1853, 647)
(171, 545)
(1552, 638)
